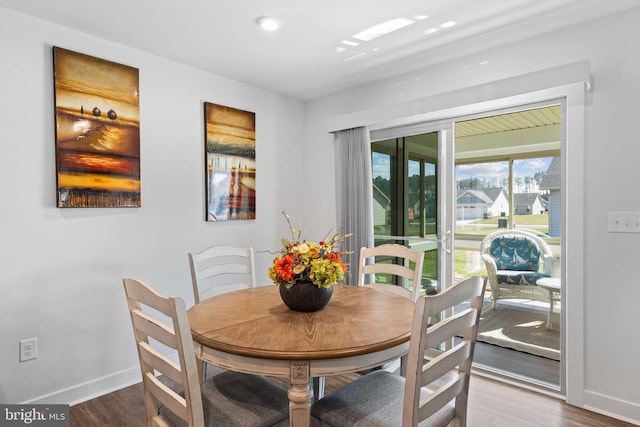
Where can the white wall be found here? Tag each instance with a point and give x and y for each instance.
(61, 269)
(611, 151)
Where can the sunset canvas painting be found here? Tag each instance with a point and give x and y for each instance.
(97, 131)
(230, 151)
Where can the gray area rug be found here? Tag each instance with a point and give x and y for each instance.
(520, 329)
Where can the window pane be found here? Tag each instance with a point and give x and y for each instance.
(483, 198)
(383, 184)
(530, 202)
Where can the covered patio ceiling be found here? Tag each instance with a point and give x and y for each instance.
(534, 132)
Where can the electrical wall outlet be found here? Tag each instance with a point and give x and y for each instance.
(28, 349)
(624, 222)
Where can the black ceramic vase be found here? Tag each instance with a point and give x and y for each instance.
(305, 296)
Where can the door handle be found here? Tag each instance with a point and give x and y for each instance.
(447, 241)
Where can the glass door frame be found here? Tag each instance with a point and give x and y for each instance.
(447, 205)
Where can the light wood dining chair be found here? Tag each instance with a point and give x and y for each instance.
(220, 269)
(394, 261)
(376, 261)
(435, 391)
(173, 393)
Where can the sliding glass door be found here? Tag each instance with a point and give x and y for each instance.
(443, 195)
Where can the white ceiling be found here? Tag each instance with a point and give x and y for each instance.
(300, 60)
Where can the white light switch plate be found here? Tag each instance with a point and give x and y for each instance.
(624, 222)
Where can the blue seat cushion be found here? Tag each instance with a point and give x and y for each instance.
(515, 254)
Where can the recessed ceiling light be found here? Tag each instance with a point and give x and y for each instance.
(350, 43)
(382, 29)
(448, 24)
(420, 17)
(430, 31)
(268, 23)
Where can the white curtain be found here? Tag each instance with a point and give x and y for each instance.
(354, 192)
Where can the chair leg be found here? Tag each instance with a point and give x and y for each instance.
(318, 388)
(203, 368)
(403, 366)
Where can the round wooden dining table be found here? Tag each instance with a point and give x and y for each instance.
(252, 331)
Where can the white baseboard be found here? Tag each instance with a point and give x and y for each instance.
(91, 389)
(612, 407)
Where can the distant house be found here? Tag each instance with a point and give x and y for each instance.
(551, 181)
(430, 208)
(381, 207)
(528, 204)
(481, 203)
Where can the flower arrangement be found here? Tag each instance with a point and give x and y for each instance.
(303, 261)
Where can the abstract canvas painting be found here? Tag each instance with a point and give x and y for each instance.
(230, 151)
(97, 131)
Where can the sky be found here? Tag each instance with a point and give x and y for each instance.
(487, 171)
(500, 170)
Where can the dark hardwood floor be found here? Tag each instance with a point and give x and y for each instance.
(535, 369)
(491, 404)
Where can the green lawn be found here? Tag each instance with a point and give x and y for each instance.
(538, 223)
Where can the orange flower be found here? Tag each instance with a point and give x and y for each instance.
(335, 257)
(284, 267)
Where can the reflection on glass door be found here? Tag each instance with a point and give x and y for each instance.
(422, 202)
(405, 192)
